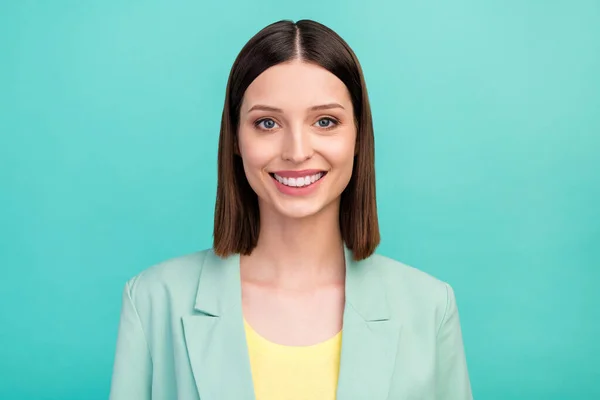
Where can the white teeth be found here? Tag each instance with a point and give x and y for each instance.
(299, 182)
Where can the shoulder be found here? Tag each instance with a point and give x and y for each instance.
(173, 281)
(410, 290)
(398, 273)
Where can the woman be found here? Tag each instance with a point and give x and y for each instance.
(292, 269)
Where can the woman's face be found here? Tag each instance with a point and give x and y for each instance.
(297, 138)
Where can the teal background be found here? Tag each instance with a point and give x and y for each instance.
(487, 119)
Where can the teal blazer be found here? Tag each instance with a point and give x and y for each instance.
(181, 334)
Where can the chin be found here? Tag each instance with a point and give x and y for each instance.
(302, 208)
(298, 211)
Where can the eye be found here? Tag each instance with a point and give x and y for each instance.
(265, 124)
(326, 123)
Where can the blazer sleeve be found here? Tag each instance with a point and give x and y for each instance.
(132, 370)
(452, 377)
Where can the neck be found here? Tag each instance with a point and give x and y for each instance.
(298, 252)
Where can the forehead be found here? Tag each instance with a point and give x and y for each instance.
(296, 85)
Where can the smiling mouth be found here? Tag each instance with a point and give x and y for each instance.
(299, 182)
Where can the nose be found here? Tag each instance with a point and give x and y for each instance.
(297, 147)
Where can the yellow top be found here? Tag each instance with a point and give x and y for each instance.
(293, 372)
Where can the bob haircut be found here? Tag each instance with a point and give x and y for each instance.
(237, 222)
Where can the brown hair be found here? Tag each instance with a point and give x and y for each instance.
(237, 223)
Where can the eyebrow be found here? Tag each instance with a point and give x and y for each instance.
(320, 107)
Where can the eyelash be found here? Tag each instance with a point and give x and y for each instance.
(335, 123)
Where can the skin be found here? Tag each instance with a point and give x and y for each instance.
(293, 282)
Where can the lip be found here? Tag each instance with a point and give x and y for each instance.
(297, 174)
(297, 191)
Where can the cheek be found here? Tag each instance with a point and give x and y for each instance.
(252, 160)
(255, 157)
(250, 151)
(341, 153)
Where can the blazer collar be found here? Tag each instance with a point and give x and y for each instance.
(365, 290)
(216, 341)
(219, 288)
(369, 334)
(214, 335)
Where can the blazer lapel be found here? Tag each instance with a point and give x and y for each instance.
(215, 336)
(216, 341)
(370, 335)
